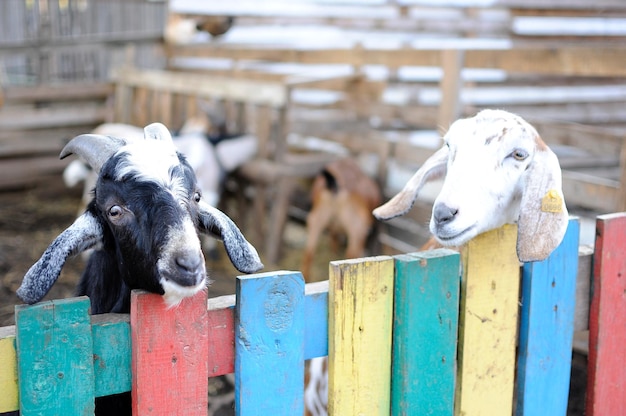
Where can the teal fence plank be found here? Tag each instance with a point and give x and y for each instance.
(55, 358)
(269, 344)
(426, 310)
(547, 329)
(111, 353)
(316, 322)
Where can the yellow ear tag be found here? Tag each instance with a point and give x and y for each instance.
(552, 202)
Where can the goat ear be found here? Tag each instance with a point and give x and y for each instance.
(434, 168)
(157, 131)
(543, 215)
(217, 224)
(83, 234)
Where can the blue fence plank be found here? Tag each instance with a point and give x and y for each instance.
(426, 311)
(547, 329)
(269, 344)
(55, 357)
(316, 322)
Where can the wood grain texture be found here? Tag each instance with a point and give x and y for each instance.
(426, 310)
(269, 344)
(8, 370)
(55, 357)
(488, 324)
(607, 321)
(360, 325)
(169, 350)
(547, 329)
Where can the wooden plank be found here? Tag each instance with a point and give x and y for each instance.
(426, 310)
(269, 344)
(169, 350)
(607, 337)
(221, 359)
(488, 323)
(8, 370)
(74, 91)
(55, 357)
(111, 353)
(452, 62)
(316, 322)
(591, 191)
(557, 59)
(360, 325)
(273, 94)
(583, 288)
(40, 118)
(547, 329)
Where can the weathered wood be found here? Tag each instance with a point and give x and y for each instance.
(111, 354)
(269, 352)
(452, 62)
(316, 321)
(426, 309)
(169, 350)
(488, 323)
(360, 327)
(556, 59)
(547, 328)
(221, 359)
(55, 357)
(8, 370)
(607, 337)
(265, 93)
(76, 91)
(40, 118)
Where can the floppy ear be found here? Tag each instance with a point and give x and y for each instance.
(82, 235)
(434, 168)
(242, 254)
(543, 215)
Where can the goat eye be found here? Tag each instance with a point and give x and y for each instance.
(197, 196)
(519, 154)
(115, 212)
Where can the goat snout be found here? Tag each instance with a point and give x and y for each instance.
(190, 267)
(443, 213)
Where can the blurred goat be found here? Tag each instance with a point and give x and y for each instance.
(343, 198)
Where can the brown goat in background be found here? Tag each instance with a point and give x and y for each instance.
(343, 198)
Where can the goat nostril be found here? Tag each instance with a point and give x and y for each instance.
(188, 263)
(443, 213)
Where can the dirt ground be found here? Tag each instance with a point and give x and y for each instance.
(31, 218)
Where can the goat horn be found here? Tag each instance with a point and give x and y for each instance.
(95, 149)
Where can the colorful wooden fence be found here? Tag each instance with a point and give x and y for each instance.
(390, 326)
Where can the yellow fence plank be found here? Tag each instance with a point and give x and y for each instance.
(8, 370)
(488, 324)
(360, 307)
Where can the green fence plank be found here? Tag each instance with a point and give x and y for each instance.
(55, 358)
(111, 353)
(426, 310)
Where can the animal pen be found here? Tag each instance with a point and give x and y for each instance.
(403, 335)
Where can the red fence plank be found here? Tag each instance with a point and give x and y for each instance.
(221, 358)
(607, 320)
(169, 350)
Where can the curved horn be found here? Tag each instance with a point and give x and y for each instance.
(94, 149)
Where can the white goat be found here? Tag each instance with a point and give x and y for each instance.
(497, 171)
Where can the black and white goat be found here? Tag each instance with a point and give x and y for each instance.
(143, 222)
